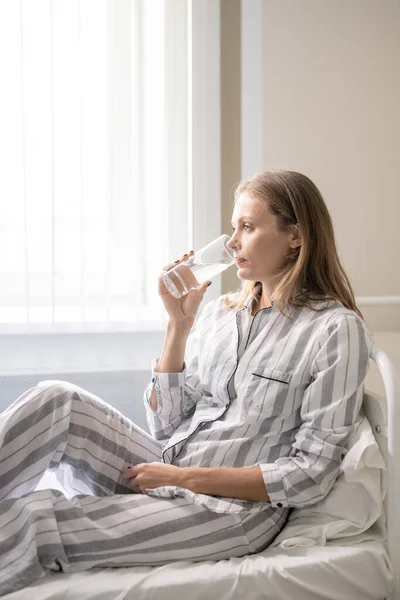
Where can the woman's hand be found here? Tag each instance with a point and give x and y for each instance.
(182, 310)
(153, 475)
(244, 483)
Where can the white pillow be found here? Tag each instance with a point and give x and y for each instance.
(353, 509)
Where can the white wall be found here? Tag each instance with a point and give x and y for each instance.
(331, 98)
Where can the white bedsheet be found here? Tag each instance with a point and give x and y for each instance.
(311, 573)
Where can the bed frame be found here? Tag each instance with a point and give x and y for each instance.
(384, 417)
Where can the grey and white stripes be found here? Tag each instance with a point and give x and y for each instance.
(298, 391)
(281, 393)
(98, 520)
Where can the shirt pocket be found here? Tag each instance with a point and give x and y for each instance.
(273, 375)
(271, 392)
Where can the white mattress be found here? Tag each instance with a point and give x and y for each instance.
(359, 572)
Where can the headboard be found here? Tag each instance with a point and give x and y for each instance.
(384, 416)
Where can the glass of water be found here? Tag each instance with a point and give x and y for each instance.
(203, 265)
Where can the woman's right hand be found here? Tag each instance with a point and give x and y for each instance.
(181, 310)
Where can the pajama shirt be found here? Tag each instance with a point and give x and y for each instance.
(283, 394)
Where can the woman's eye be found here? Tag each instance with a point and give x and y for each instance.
(248, 227)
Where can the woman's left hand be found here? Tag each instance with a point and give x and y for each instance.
(153, 475)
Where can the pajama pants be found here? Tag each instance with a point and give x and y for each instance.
(98, 520)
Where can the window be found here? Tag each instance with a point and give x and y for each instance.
(110, 167)
(95, 193)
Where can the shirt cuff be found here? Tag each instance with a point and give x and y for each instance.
(274, 483)
(167, 381)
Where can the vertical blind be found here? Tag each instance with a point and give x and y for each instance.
(94, 144)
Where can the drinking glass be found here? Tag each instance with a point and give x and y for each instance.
(204, 264)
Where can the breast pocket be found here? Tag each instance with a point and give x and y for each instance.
(271, 391)
(273, 375)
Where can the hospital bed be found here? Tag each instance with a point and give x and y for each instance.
(358, 561)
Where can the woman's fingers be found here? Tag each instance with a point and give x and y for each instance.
(130, 474)
(182, 259)
(203, 287)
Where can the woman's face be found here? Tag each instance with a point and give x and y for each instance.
(257, 240)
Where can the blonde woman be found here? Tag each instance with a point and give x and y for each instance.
(250, 408)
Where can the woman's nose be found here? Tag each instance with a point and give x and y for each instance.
(231, 243)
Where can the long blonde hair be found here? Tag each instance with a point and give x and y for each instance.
(313, 271)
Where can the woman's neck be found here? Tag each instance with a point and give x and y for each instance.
(264, 300)
(258, 304)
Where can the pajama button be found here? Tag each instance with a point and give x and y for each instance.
(153, 380)
(279, 504)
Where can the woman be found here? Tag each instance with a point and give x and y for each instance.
(253, 423)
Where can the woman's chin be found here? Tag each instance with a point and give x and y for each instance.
(242, 274)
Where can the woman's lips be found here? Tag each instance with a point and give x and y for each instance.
(240, 261)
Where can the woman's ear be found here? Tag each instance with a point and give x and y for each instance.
(295, 237)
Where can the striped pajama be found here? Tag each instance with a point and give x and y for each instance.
(99, 520)
(283, 394)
